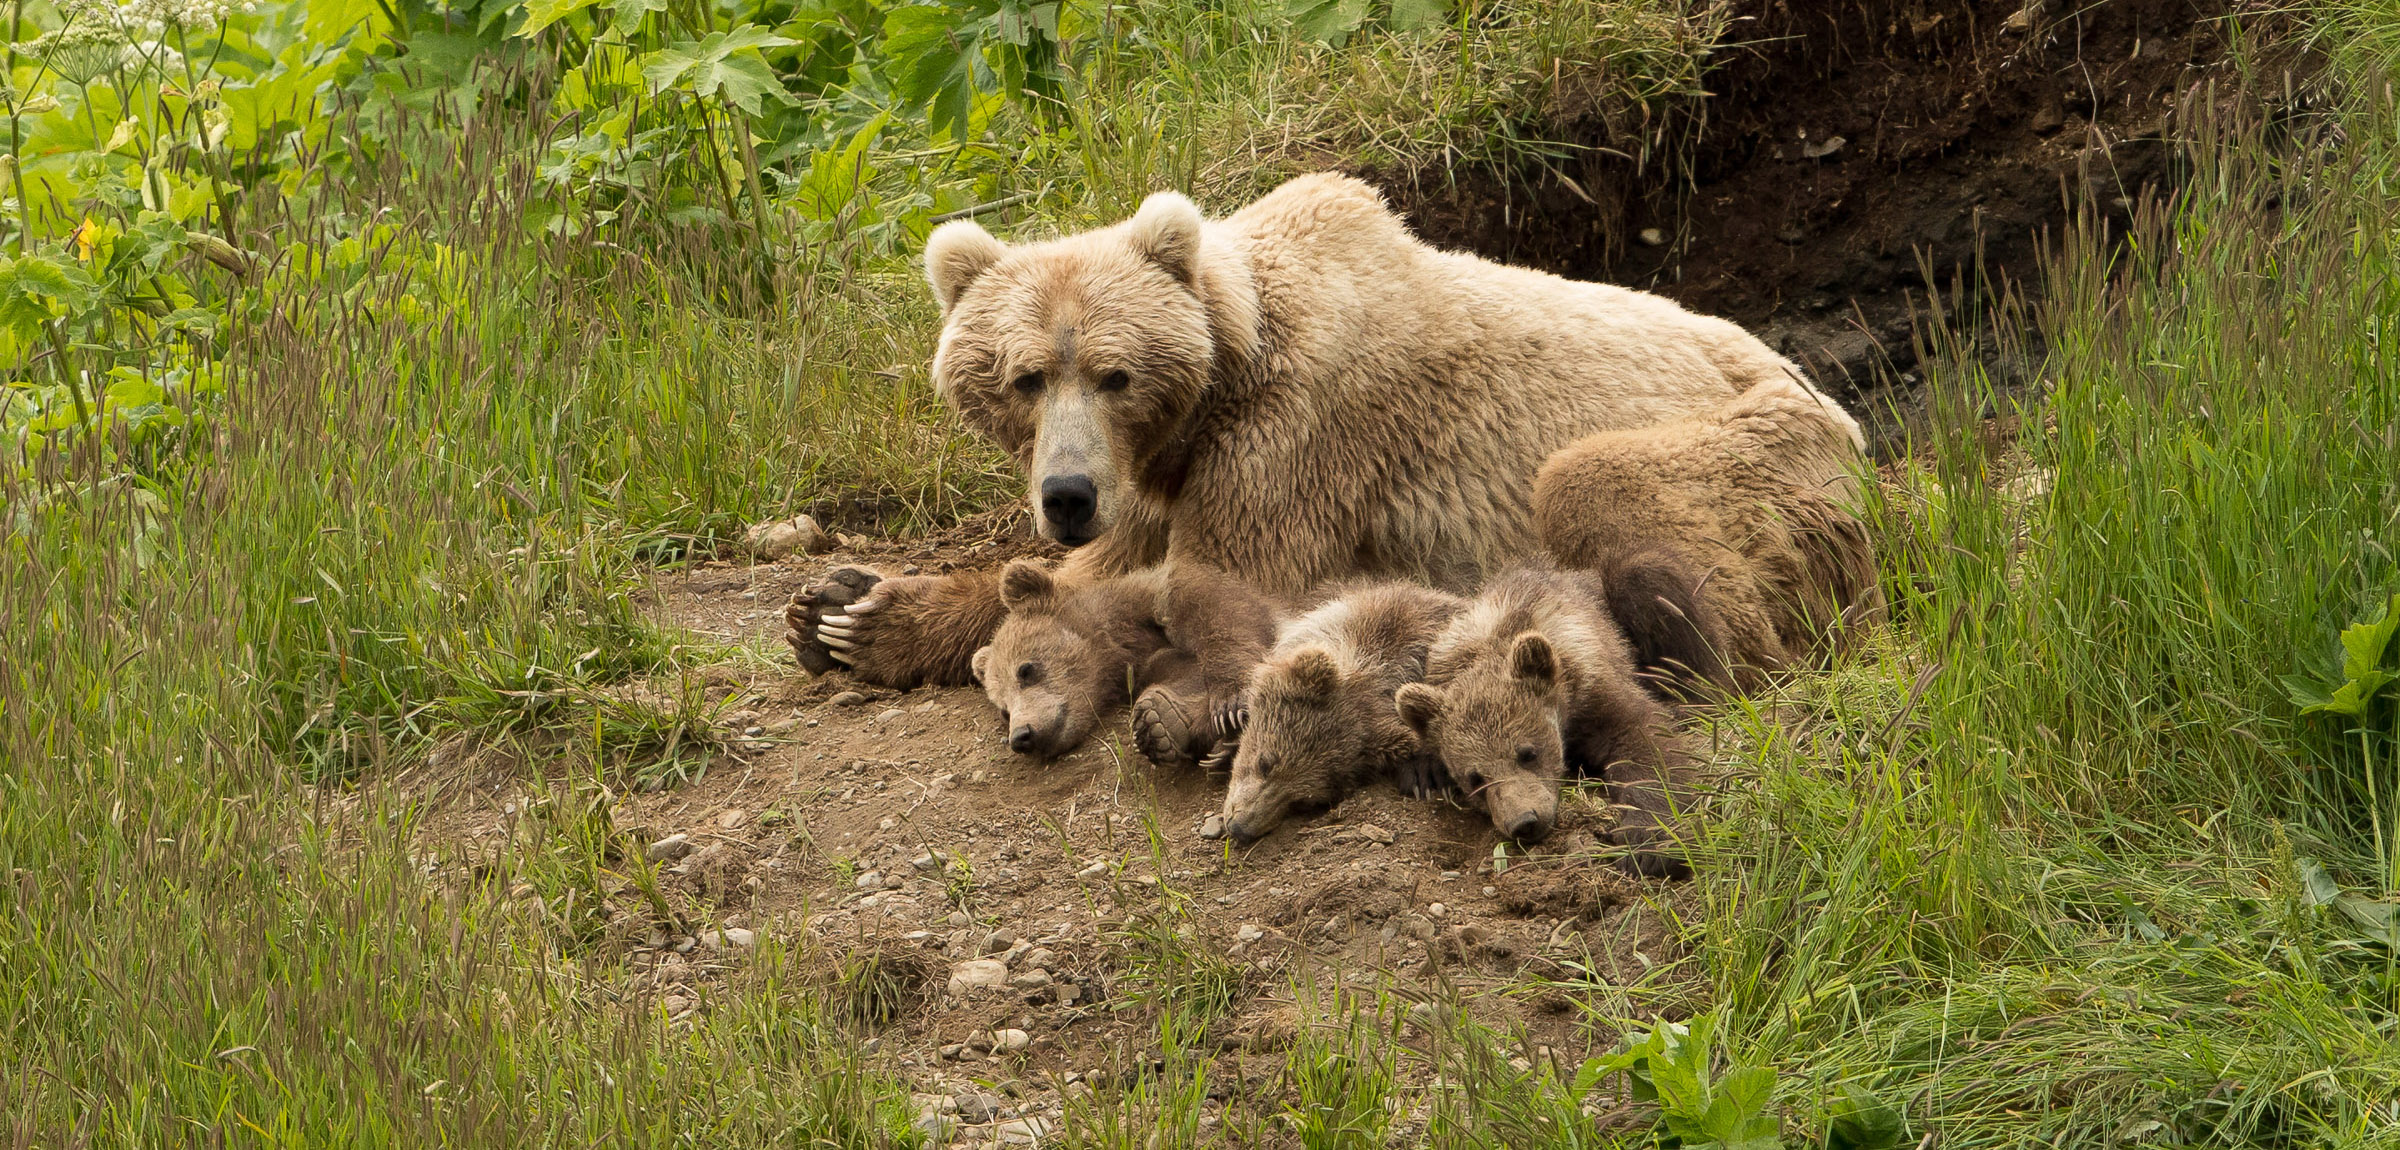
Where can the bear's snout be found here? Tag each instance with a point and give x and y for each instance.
(1068, 502)
(1022, 739)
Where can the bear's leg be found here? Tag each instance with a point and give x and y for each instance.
(1678, 639)
(1642, 755)
(896, 632)
(1172, 726)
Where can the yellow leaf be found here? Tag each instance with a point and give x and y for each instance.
(124, 133)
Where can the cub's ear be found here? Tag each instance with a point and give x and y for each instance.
(955, 254)
(1314, 675)
(1418, 704)
(1166, 231)
(1027, 586)
(981, 661)
(1530, 657)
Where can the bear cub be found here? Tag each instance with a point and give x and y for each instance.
(1184, 636)
(1533, 682)
(1320, 720)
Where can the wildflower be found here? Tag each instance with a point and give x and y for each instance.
(87, 236)
(81, 50)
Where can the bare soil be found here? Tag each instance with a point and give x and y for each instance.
(1852, 153)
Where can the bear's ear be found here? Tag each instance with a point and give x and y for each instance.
(1314, 675)
(1419, 704)
(1027, 586)
(979, 664)
(1530, 657)
(1166, 231)
(955, 254)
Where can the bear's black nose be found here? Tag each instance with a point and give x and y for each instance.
(1021, 740)
(1068, 501)
(1529, 828)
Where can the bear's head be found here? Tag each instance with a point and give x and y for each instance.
(1497, 728)
(1085, 356)
(1048, 668)
(1314, 728)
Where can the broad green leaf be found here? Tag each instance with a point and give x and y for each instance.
(2353, 698)
(2317, 886)
(540, 14)
(1419, 15)
(2364, 645)
(724, 64)
(36, 289)
(934, 58)
(1329, 21)
(1858, 1120)
(2380, 920)
(629, 13)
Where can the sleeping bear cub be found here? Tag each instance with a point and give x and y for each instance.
(1533, 682)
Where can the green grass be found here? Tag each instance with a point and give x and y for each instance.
(2033, 869)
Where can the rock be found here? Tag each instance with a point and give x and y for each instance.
(928, 862)
(1041, 958)
(1098, 869)
(893, 714)
(1011, 1040)
(1374, 834)
(1031, 980)
(977, 1108)
(669, 849)
(959, 918)
(732, 936)
(773, 540)
(977, 974)
(951, 1052)
(847, 699)
(872, 880)
(999, 940)
(1437, 910)
(1020, 1131)
(1489, 891)
(732, 820)
(980, 1042)
(1653, 237)
(1212, 827)
(1249, 933)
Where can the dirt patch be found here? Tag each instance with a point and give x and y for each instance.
(1850, 151)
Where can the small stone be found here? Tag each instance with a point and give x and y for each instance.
(774, 540)
(1097, 869)
(1020, 1131)
(927, 862)
(980, 1042)
(1449, 876)
(1212, 827)
(872, 880)
(950, 1053)
(1041, 958)
(1011, 1040)
(1489, 891)
(669, 849)
(731, 936)
(892, 714)
(958, 918)
(1653, 237)
(733, 819)
(999, 940)
(977, 974)
(1437, 910)
(1031, 980)
(847, 699)
(977, 1108)
(1374, 834)
(1248, 933)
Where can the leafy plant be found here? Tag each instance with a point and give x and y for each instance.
(1673, 1065)
(1333, 22)
(2363, 696)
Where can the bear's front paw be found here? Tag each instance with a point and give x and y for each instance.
(806, 613)
(1169, 729)
(1425, 778)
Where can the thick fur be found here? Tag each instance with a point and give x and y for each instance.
(1733, 531)
(1064, 656)
(1321, 721)
(1219, 628)
(1533, 683)
(1299, 392)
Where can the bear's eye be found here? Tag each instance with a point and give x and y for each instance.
(1115, 381)
(1527, 756)
(1029, 383)
(1266, 766)
(1028, 674)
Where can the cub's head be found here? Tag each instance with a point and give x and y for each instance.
(1083, 356)
(1046, 669)
(1497, 729)
(1314, 729)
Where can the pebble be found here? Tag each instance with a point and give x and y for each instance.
(1489, 891)
(1437, 910)
(733, 819)
(1011, 1040)
(977, 974)
(847, 699)
(959, 918)
(872, 880)
(977, 1108)
(951, 1051)
(999, 940)
(891, 715)
(1095, 870)
(1020, 1131)
(1374, 834)
(774, 540)
(927, 862)
(730, 936)
(1449, 876)
(669, 849)
(1212, 827)
(1031, 980)
(1249, 933)
(1653, 237)
(1041, 958)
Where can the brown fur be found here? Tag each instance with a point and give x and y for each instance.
(1220, 628)
(1321, 721)
(1748, 507)
(1299, 392)
(1531, 683)
(1064, 656)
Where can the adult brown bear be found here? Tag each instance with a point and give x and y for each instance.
(1298, 392)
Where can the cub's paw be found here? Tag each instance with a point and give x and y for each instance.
(1170, 730)
(1425, 778)
(1653, 853)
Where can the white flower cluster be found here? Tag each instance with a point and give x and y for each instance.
(159, 15)
(98, 36)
